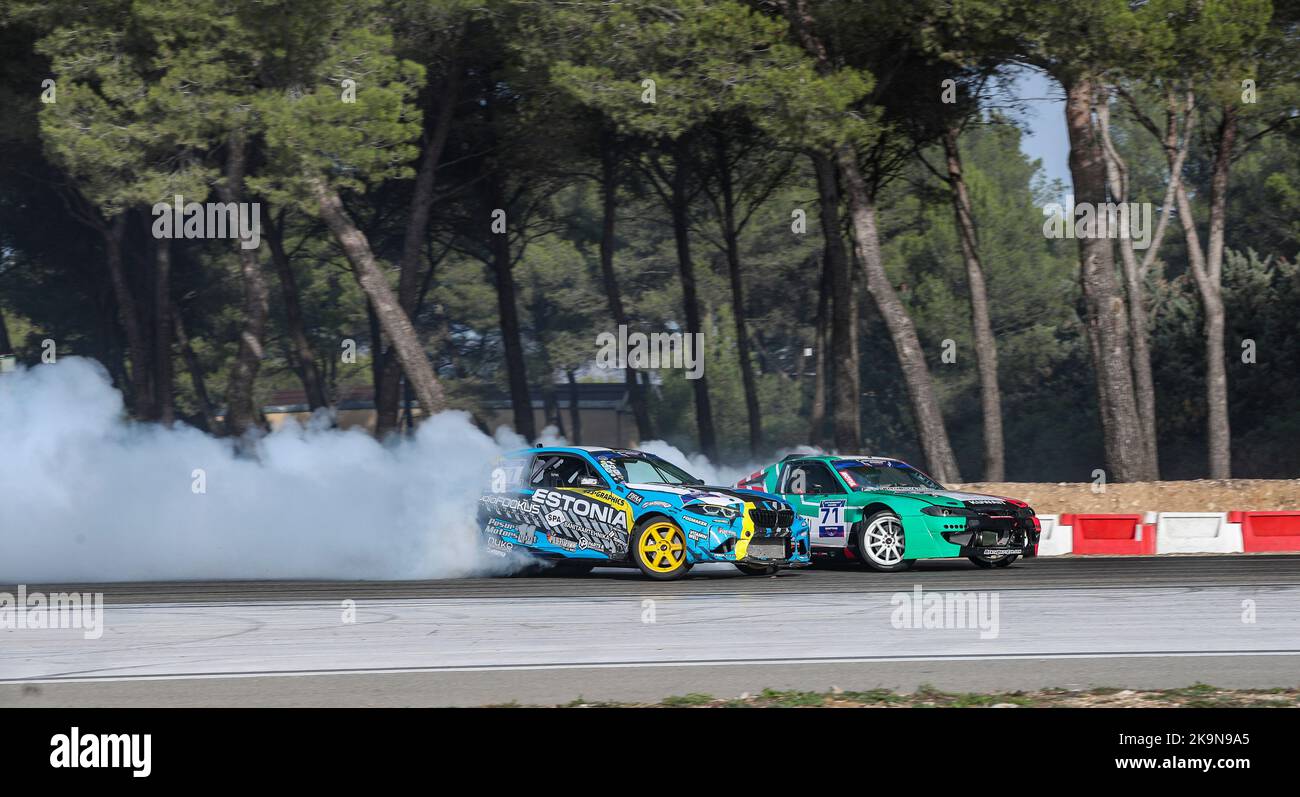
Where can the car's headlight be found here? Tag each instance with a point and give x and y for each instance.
(716, 510)
(946, 511)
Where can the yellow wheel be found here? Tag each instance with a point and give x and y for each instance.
(659, 549)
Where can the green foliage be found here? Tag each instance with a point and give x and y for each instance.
(150, 92)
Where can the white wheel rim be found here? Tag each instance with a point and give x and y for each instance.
(884, 541)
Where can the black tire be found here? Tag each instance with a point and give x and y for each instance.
(659, 558)
(1002, 561)
(756, 570)
(866, 532)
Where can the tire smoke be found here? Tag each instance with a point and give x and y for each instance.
(89, 496)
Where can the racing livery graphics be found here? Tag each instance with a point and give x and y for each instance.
(584, 506)
(887, 514)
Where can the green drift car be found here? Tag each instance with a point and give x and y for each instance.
(887, 514)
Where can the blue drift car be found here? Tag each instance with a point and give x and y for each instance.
(583, 507)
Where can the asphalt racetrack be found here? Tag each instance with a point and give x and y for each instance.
(1132, 622)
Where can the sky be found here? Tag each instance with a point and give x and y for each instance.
(1043, 118)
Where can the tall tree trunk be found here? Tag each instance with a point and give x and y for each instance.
(1135, 285)
(1207, 271)
(609, 157)
(206, 411)
(1126, 456)
(690, 298)
(6, 346)
(845, 378)
(551, 407)
(986, 347)
(417, 226)
(376, 350)
(128, 312)
(392, 319)
(302, 352)
(575, 412)
(511, 336)
(821, 361)
(732, 239)
(1216, 374)
(241, 412)
(164, 376)
(916, 375)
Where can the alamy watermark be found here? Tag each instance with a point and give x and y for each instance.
(181, 219)
(946, 611)
(37, 611)
(1122, 220)
(681, 350)
(74, 750)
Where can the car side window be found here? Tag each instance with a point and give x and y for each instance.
(822, 482)
(562, 470)
(509, 474)
(809, 478)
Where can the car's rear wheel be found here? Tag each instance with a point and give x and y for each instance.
(882, 544)
(996, 561)
(659, 549)
(756, 570)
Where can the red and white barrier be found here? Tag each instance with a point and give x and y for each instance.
(1143, 534)
(1268, 531)
(1056, 539)
(1102, 533)
(1197, 532)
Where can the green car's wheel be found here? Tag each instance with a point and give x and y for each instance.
(997, 561)
(881, 542)
(659, 549)
(756, 570)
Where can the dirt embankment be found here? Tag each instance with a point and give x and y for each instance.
(1201, 495)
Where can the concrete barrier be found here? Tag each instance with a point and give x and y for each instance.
(1268, 531)
(1101, 533)
(1197, 532)
(1056, 539)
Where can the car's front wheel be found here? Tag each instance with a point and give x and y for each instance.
(659, 549)
(881, 542)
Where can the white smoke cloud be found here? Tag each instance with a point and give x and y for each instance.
(717, 475)
(86, 495)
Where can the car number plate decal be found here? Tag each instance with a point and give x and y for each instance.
(830, 518)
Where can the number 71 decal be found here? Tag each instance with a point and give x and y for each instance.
(830, 518)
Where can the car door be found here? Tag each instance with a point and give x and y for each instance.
(815, 493)
(579, 510)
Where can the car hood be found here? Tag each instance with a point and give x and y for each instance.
(940, 497)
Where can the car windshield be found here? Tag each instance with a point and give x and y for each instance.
(865, 476)
(641, 470)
